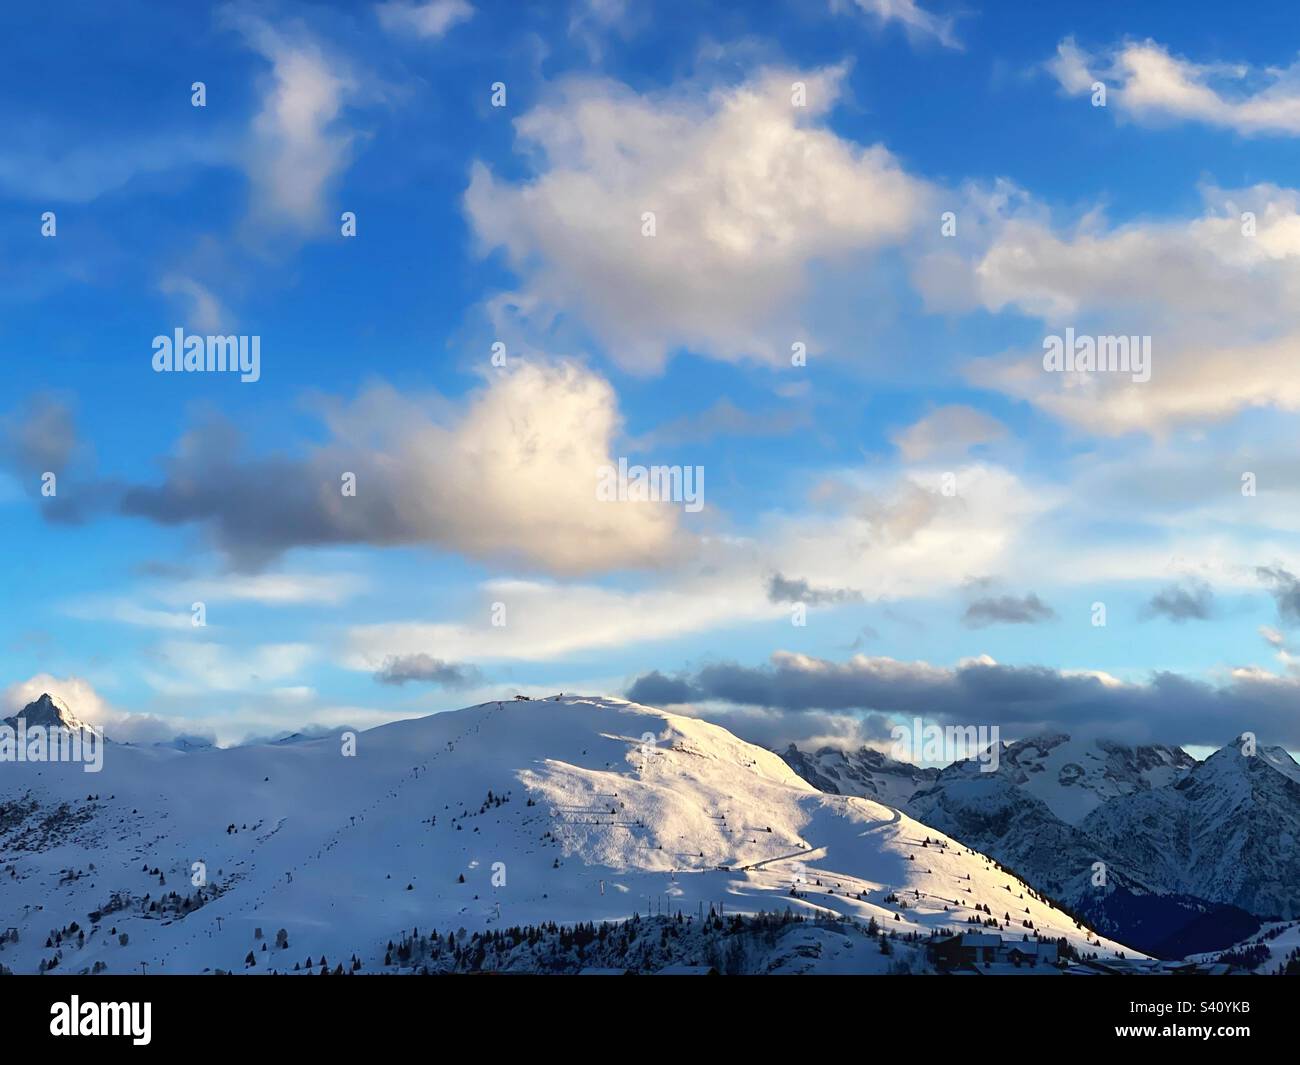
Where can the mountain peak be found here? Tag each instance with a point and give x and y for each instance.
(47, 711)
(1231, 759)
(866, 773)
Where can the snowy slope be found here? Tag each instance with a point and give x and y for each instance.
(1268, 951)
(866, 773)
(586, 821)
(1228, 831)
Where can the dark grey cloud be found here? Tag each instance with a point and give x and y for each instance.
(656, 689)
(38, 438)
(1022, 700)
(1007, 610)
(781, 589)
(422, 668)
(1190, 600)
(258, 508)
(1285, 588)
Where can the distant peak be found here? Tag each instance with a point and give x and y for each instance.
(48, 711)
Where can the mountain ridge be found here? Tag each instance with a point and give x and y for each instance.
(503, 814)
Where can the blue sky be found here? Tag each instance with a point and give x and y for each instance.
(776, 223)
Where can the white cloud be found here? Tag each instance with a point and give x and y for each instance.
(77, 693)
(274, 589)
(592, 21)
(510, 472)
(911, 537)
(298, 143)
(1147, 83)
(1207, 266)
(429, 20)
(197, 666)
(124, 611)
(893, 540)
(916, 20)
(949, 430)
(206, 314)
(1217, 294)
(170, 605)
(545, 621)
(747, 192)
(89, 707)
(1191, 383)
(514, 476)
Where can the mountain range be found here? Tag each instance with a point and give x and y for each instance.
(480, 823)
(1169, 854)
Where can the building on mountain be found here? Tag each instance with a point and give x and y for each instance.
(984, 948)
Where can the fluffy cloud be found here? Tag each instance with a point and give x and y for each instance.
(950, 430)
(1215, 294)
(1147, 83)
(512, 475)
(747, 192)
(89, 707)
(591, 22)
(195, 667)
(298, 144)
(921, 534)
(77, 693)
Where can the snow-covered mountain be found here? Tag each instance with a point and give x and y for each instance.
(46, 712)
(866, 773)
(1070, 777)
(1144, 843)
(1074, 777)
(1228, 831)
(504, 814)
